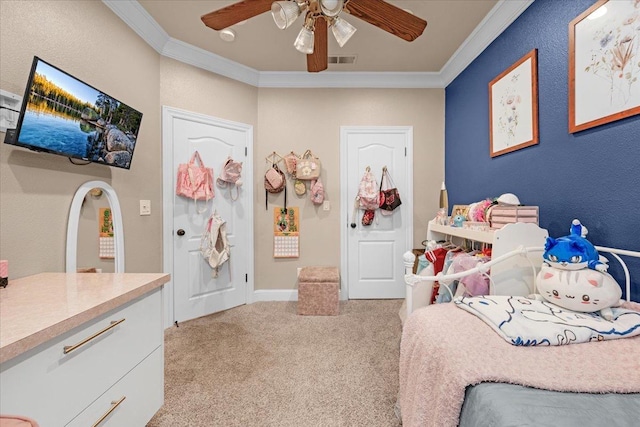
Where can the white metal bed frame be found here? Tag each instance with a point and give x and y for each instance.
(412, 280)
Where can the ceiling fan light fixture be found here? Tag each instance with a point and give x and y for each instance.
(305, 41)
(285, 13)
(228, 35)
(331, 8)
(342, 31)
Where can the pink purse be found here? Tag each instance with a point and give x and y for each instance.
(195, 180)
(317, 191)
(230, 177)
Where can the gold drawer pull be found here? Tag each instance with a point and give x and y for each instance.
(70, 348)
(114, 405)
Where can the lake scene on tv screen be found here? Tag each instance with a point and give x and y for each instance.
(66, 116)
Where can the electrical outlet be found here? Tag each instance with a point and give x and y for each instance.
(326, 206)
(145, 207)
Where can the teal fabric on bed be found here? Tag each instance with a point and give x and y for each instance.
(510, 405)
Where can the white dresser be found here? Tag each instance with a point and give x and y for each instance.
(82, 349)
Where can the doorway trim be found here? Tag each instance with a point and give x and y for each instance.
(346, 206)
(168, 189)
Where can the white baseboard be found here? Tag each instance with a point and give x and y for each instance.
(282, 295)
(275, 295)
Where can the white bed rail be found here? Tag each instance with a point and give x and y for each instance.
(615, 253)
(412, 280)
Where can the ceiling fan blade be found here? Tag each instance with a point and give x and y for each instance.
(318, 61)
(234, 13)
(388, 17)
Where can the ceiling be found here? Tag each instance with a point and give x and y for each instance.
(261, 46)
(263, 56)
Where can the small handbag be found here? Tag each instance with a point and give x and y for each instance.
(300, 187)
(367, 216)
(274, 182)
(308, 167)
(231, 176)
(389, 195)
(369, 191)
(317, 191)
(194, 180)
(290, 161)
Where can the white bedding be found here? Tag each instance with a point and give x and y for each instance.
(526, 322)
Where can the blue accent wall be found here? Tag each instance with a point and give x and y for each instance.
(593, 175)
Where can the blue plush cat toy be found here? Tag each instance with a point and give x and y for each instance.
(573, 276)
(573, 252)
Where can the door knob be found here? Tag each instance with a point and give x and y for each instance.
(180, 232)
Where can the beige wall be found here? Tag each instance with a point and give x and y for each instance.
(193, 89)
(36, 189)
(297, 119)
(87, 40)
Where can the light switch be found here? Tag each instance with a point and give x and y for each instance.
(145, 207)
(326, 206)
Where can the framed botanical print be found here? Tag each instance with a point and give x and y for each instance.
(604, 64)
(513, 106)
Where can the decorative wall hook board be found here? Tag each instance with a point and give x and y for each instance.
(274, 158)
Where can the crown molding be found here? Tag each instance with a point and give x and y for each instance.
(206, 60)
(139, 20)
(498, 19)
(336, 79)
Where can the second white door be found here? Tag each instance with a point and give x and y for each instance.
(372, 255)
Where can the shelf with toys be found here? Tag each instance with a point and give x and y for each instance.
(440, 232)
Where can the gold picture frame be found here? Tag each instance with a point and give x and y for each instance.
(459, 210)
(604, 65)
(513, 106)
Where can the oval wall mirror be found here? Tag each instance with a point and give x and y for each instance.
(74, 222)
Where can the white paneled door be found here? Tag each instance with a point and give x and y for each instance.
(372, 255)
(196, 292)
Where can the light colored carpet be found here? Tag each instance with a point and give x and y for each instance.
(263, 365)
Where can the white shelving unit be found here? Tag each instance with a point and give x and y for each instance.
(513, 275)
(440, 232)
(9, 110)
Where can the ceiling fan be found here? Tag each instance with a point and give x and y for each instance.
(319, 16)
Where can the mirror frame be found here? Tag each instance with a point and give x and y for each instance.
(74, 220)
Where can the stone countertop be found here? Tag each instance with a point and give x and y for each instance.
(38, 308)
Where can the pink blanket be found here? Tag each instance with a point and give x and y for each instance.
(444, 349)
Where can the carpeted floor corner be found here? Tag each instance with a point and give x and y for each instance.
(263, 365)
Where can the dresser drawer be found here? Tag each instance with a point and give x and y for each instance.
(143, 393)
(53, 387)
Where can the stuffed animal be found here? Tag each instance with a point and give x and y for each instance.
(574, 277)
(458, 220)
(573, 252)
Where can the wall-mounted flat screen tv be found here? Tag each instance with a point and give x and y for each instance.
(63, 115)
